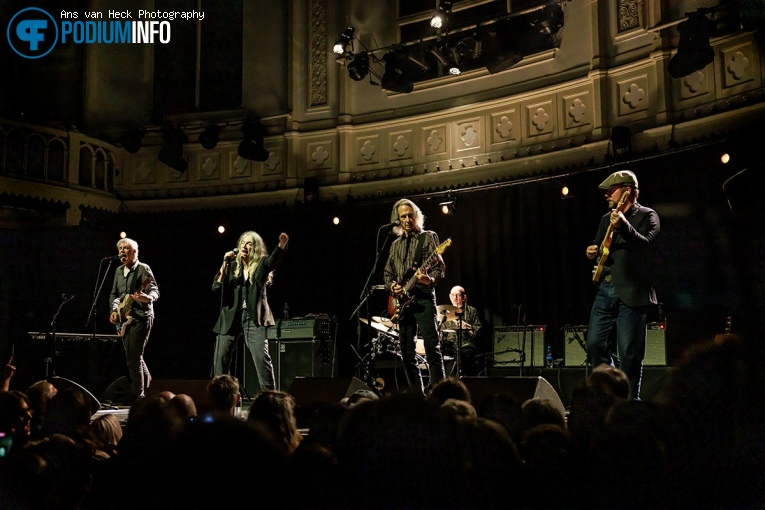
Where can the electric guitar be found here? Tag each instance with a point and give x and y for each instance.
(125, 310)
(397, 304)
(606, 244)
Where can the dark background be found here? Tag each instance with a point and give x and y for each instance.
(514, 244)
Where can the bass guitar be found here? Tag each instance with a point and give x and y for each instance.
(606, 244)
(397, 304)
(125, 309)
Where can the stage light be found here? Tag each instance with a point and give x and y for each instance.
(395, 78)
(694, 52)
(448, 206)
(251, 147)
(171, 153)
(358, 67)
(442, 18)
(209, 137)
(620, 141)
(345, 39)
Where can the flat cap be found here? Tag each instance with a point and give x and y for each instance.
(625, 177)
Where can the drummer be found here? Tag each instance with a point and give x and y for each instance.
(449, 319)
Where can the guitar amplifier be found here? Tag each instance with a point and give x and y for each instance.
(292, 358)
(301, 328)
(575, 338)
(513, 344)
(575, 346)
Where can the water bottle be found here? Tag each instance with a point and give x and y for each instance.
(286, 310)
(548, 357)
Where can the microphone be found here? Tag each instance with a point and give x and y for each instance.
(235, 250)
(111, 257)
(391, 225)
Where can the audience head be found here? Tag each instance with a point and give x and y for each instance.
(535, 411)
(610, 379)
(184, 406)
(276, 410)
(223, 392)
(450, 387)
(15, 416)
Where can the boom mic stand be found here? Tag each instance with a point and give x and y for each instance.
(364, 297)
(50, 367)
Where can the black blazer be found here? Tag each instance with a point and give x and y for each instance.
(630, 254)
(235, 291)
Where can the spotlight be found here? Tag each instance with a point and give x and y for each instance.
(449, 206)
(131, 140)
(171, 153)
(358, 67)
(460, 54)
(209, 137)
(694, 52)
(438, 54)
(310, 190)
(621, 141)
(345, 39)
(395, 78)
(442, 17)
(251, 147)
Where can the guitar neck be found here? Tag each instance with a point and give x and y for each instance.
(413, 280)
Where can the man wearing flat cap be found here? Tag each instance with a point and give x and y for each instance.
(623, 251)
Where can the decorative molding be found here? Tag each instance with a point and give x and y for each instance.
(318, 57)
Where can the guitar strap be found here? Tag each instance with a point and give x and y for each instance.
(418, 252)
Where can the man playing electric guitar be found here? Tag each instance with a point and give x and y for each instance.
(624, 295)
(132, 296)
(413, 246)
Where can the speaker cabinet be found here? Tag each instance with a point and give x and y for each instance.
(575, 346)
(291, 358)
(522, 388)
(513, 344)
(308, 391)
(656, 345)
(575, 338)
(61, 383)
(195, 388)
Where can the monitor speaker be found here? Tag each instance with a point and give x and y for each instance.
(61, 383)
(522, 388)
(309, 391)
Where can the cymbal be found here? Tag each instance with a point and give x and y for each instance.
(384, 325)
(364, 320)
(448, 311)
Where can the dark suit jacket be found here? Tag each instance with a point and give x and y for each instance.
(630, 255)
(235, 291)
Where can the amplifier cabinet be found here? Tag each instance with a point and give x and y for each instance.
(305, 357)
(511, 341)
(575, 346)
(656, 345)
(575, 337)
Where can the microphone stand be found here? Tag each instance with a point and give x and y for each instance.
(522, 323)
(50, 367)
(364, 297)
(96, 293)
